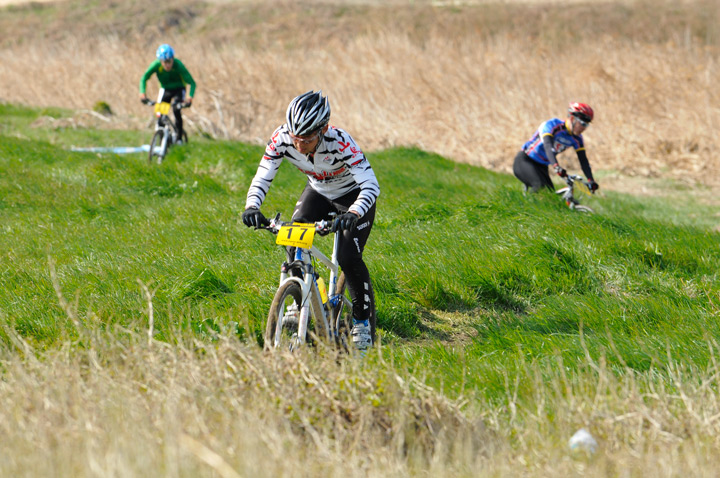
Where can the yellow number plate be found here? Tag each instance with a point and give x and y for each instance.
(580, 186)
(162, 108)
(297, 235)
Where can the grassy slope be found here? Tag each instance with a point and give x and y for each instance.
(457, 254)
(533, 320)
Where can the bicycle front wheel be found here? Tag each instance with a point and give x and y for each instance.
(581, 208)
(281, 330)
(156, 148)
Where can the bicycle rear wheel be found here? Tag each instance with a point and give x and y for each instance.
(341, 313)
(156, 146)
(281, 330)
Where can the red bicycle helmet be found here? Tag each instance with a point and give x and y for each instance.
(582, 111)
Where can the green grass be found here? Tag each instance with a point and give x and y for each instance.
(472, 278)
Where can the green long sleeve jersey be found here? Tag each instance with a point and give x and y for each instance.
(178, 77)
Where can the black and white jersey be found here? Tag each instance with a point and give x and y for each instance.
(337, 167)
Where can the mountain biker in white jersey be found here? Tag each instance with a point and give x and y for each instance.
(552, 138)
(340, 180)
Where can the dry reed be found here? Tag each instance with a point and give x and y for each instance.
(115, 404)
(457, 90)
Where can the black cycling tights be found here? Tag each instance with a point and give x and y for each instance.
(167, 97)
(534, 175)
(313, 206)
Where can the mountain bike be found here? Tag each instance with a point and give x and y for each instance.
(575, 183)
(165, 130)
(305, 311)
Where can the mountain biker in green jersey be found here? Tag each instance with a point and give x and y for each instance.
(173, 78)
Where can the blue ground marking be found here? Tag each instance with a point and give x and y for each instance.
(117, 150)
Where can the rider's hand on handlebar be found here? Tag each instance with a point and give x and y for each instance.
(560, 171)
(144, 100)
(252, 217)
(345, 222)
(592, 185)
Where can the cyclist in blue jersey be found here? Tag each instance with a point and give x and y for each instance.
(552, 138)
(340, 180)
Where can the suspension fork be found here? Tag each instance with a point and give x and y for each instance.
(310, 293)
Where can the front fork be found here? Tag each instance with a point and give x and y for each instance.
(569, 198)
(163, 146)
(309, 289)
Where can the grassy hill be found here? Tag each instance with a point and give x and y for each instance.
(506, 322)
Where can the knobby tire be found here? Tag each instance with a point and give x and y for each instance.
(155, 143)
(581, 208)
(287, 294)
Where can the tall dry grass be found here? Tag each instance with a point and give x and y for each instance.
(110, 402)
(470, 83)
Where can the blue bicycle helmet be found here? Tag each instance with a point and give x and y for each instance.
(164, 52)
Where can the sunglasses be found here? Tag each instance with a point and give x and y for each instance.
(582, 122)
(305, 139)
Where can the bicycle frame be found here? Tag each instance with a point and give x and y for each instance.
(165, 122)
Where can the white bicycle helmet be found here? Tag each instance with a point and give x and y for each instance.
(308, 113)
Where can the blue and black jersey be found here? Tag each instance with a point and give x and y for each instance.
(562, 139)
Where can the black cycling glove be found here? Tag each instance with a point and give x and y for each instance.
(345, 222)
(593, 185)
(252, 217)
(560, 171)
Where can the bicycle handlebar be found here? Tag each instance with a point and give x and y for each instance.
(570, 179)
(176, 105)
(322, 228)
